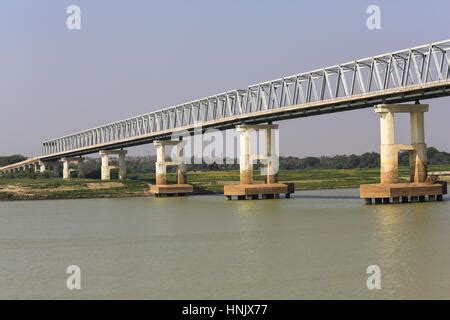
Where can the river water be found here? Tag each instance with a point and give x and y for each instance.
(317, 244)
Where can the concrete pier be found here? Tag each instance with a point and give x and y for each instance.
(161, 188)
(418, 158)
(42, 167)
(107, 166)
(67, 170)
(247, 189)
(272, 172)
(161, 165)
(49, 166)
(245, 158)
(388, 149)
(419, 187)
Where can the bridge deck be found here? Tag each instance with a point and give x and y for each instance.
(397, 95)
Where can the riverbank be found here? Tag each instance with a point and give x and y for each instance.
(210, 182)
(54, 188)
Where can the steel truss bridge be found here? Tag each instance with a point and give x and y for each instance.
(402, 76)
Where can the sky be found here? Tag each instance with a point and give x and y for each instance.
(133, 57)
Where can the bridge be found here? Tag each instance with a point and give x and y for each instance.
(398, 77)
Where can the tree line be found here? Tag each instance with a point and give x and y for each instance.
(146, 164)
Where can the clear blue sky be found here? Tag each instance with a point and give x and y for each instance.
(133, 57)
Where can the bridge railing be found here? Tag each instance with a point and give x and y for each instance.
(423, 64)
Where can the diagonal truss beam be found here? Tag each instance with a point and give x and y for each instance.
(401, 69)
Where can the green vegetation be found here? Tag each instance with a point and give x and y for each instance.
(4, 161)
(366, 160)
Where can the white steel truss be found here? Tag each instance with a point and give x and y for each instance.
(400, 69)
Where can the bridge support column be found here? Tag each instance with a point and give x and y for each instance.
(418, 159)
(67, 162)
(390, 187)
(42, 167)
(161, 188)
(107, 167)
(181, 168)
(247, 189)
(161, 168)
(52, 166)
(271, 166)
(245, 157)
(66, 170)
(388, 149)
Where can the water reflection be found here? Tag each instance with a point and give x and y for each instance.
(249, 207)
(399, 235)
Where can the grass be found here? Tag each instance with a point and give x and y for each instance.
(203, 182)
(56, 188)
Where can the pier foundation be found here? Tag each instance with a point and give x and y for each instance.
(49, 166)
(419, 188)
(247, 189)
(162, 188)
(71, 165)
(107, 166)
